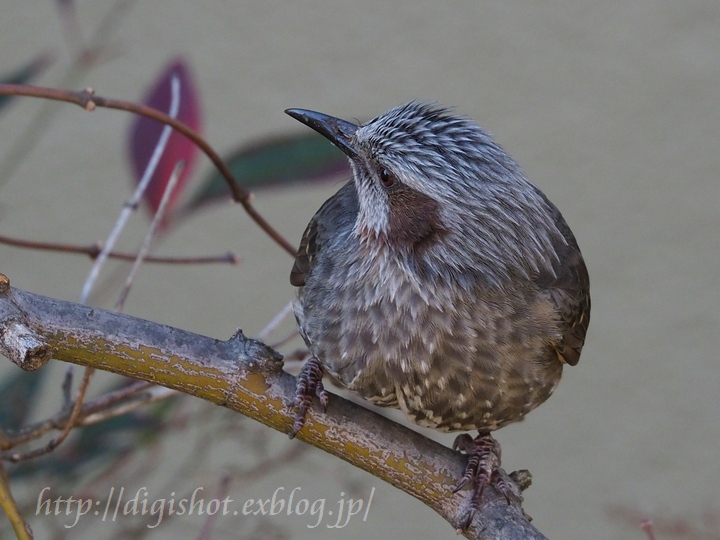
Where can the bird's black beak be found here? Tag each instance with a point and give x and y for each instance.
(339, 132)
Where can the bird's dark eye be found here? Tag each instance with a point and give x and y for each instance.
(387, 178)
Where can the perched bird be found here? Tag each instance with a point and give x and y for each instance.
(439, 280)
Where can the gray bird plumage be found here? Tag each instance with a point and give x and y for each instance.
(439, 280)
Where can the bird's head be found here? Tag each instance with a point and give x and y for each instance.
(433, 185)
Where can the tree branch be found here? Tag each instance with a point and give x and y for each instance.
(93, 250)
(89, 101)
(7, 503)
(246, 376)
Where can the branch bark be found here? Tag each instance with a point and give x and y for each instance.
(246, 376)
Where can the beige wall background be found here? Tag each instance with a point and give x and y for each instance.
(611, 107)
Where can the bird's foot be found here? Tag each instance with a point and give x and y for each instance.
(309, 384)
(483, 464)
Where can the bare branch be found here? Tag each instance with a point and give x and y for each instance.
(7, 503)
(57, 441)
(211, 520)
(647, 526)
(150, 234)
(94, 250)
(275, 322)
(115, 403)
(24, 347)
(151, 395)
(246, 376)
(89, 101)
(131, 205)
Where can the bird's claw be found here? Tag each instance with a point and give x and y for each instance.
(483, 462)
(309, 384)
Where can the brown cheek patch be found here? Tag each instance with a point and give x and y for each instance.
(414, 219)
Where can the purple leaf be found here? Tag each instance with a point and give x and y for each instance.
(145, 134)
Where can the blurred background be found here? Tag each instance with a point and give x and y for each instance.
(613, 110)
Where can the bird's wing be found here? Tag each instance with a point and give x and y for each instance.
(336, 213)
(568, 291)
(306, 252)
(570, 294)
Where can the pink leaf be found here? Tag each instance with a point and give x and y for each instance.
(145, 134)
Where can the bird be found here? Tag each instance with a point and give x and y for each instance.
(438, 280)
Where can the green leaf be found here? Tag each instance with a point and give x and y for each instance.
(280, 161)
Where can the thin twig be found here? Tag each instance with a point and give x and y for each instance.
(89, 101)
(298, 355)
(647, 526)
(109, 23)
(152, 229)
(37, 127)
(71, 30)
(151, 395)
(285, 340)
(53, 444)
(128, 209)
(111, 398)
(67, 388)
(22, 530)
(86, 417)
(94, 250)
(257, 470)
(275, 321)
(131, 205)
(211, 520)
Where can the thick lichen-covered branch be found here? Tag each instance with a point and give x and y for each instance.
(246, 376)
